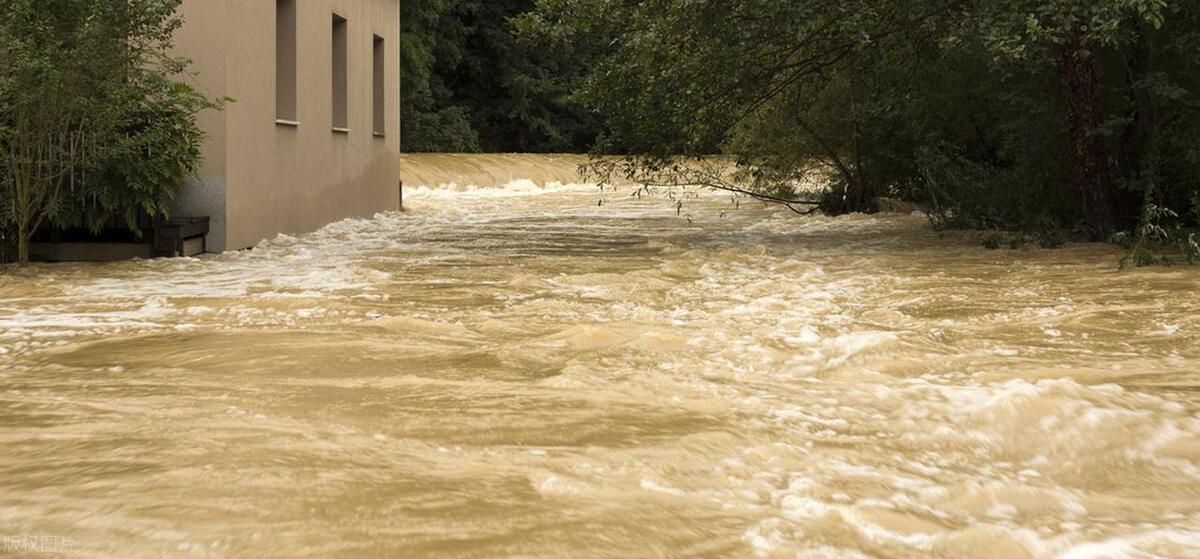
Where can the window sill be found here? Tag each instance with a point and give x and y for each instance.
(379, 134)
(337, 130)
(285, 122)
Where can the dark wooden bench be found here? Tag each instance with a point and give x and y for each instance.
(181, 236)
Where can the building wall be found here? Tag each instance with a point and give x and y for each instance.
(200, 40)
(280, 178)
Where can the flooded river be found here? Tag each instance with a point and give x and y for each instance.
(550, 370)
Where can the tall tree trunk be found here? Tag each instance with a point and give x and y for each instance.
(22, 244)
(1089, 166)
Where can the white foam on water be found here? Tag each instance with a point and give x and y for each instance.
(810, 387)
(513, 189)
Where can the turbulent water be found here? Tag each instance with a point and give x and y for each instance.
(558, 371)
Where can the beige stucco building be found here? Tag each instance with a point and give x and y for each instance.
(311, 133)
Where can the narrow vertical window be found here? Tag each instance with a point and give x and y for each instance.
(379, 90)
(341, 120)
(285, 61)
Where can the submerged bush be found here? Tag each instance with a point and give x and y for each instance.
(1161, 230)
(963, 194)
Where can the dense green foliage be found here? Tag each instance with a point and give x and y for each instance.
(93, 128)
(998, 114)
(471, 85)
(430, 48)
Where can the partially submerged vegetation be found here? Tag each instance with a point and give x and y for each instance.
(94, 127)
(1033, 117)
(1048, 120)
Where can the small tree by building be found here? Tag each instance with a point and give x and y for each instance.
(93, 123)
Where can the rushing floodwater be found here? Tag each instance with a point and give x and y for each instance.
(522, 371)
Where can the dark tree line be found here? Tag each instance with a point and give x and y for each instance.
(471, 84)
(1015, 115)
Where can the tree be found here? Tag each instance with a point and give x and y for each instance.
(765, 82)
(92, 125)
(999, 114)
(1074, 31)
(472, 83)
(431, 47)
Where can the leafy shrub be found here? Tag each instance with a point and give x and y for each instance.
(93, 122)
(159, 147)
(965, 194)
(1162, 228)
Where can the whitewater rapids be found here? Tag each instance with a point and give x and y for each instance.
(523, 365)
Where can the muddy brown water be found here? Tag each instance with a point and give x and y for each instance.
(515, 369)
